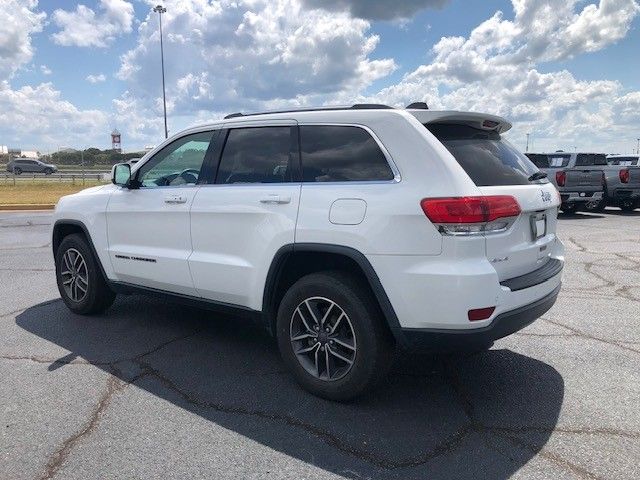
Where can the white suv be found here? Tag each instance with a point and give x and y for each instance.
(347, 231)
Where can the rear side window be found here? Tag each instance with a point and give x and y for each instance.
(538, 159)
(487, 158)
(624, 161)
(589, 159)
(341, 154)
(257, 155)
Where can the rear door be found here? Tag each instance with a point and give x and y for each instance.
(239, 222)
(498, 168)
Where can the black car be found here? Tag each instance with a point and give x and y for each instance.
(19, 165)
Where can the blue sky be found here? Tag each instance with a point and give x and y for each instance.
(577, 83)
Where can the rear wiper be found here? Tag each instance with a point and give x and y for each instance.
(537, 176)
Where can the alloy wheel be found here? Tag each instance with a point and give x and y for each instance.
(323, 338)
(74, 274)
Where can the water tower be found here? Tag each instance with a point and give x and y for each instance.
(115, 141)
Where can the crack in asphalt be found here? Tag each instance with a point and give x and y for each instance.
(582, 334)
(57, 459)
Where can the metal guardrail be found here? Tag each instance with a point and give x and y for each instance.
(74, 177)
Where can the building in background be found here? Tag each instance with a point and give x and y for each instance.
(4, 149)
(115, 141)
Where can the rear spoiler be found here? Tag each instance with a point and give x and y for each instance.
(482, 121)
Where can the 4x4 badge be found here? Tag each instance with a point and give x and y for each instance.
(546, 196)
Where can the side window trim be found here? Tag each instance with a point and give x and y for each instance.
(397, 177)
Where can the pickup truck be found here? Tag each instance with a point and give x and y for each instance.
(622, 187)
(578, 176)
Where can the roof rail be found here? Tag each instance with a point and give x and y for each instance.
(357, 106)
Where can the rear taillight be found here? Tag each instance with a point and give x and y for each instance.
(624, 175)
(561, 178)
(471, 215)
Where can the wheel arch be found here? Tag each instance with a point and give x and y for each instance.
(64, 228)
(291, 262)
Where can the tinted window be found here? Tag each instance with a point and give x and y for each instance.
(257, 155)
(538, 159)
(341, 154)
(558, 160)
(589, 159)
(179, 163)
(487, 158)
(625, 161)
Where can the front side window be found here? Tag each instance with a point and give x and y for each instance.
(257, 155)
(177, 164)
(486, 157)
(341, 154)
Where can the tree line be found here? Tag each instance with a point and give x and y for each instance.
(90, 156)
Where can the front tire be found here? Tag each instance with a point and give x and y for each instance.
(48, 171)
(332, 337)
(80, 282)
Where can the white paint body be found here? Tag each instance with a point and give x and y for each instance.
(218, 243)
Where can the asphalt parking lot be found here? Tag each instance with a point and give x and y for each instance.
(156, 390)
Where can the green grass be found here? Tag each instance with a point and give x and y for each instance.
(39, 191)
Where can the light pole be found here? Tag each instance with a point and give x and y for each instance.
(527, 147)
(638, 146)
(159, 9)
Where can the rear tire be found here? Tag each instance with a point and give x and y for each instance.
(343, 356)
(569, 208)
(596, 206)
(80, 281)
(17, 171)
(628, 205)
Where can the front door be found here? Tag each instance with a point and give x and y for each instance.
(149, 227)
(241, 221)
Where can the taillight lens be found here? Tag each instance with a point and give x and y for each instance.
(469, 215)
(561, 178)
(624, 175)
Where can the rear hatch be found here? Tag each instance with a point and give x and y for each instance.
(498, 168)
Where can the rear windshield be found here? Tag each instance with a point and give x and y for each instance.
(589, 159)
(625, 161)
(487, 158)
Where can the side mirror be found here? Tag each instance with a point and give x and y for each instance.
(121, 174)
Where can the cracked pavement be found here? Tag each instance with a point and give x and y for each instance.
(154, 389)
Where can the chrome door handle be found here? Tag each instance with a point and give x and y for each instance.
(275, 199)
(175, 199)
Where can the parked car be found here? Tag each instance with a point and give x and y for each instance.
(578, 176)
(348, 231)
(622, 187)
(28, 165)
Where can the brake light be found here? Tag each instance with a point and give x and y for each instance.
(561, 178)
(624, 175)
(480, 313)
(470, 215)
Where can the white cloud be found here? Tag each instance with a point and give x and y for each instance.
(230, 54)
(101, 77)
(19, 20)
(45, 70)
(83, 27)
(39, 115)
(495, 69)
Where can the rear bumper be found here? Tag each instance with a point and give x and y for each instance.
(439, 340)
(626, 193)
(577, 197)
